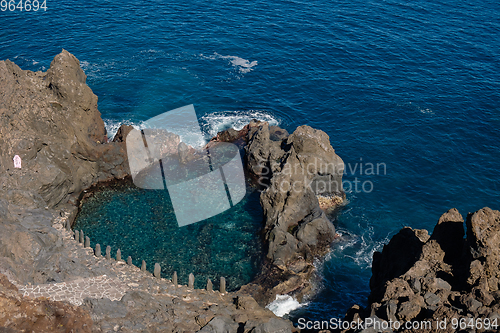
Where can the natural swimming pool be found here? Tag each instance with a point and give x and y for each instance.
(141, 223)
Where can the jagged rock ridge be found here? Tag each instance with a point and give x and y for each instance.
(445, 275)
(291, 171)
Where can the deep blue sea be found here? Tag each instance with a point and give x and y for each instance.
(411, 84)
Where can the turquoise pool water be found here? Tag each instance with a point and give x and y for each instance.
(141, 223)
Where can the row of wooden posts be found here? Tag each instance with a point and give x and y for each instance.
(85, 240)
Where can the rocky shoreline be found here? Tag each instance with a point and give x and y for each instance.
(448, 280)
(51, 283)
(292, 171)
(51, 121)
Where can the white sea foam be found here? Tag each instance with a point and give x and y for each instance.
(219, 121)
(25, 61)
(426, 110)
(243, 65)
(210, 124)
(358, 248)
(364, 256)
(93, 70)
(416, 107)
(112, 126)
(284, 304)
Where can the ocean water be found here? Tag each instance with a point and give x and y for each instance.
(412, 86)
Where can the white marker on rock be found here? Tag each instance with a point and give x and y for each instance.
(17, 162)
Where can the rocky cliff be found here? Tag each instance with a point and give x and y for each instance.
(51, 122)
(292, 171)
(448, 274)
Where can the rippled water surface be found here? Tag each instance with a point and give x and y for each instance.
(142, 224)
(414, 85)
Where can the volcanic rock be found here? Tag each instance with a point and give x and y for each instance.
(51, 121)
(444, 276)
(18, 314)
(291, 172)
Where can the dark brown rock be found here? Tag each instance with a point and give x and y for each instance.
(408, 310)
(51, 121)
(396, 258)
(230, 135)
(19, 314)
(122, 133)
(291, 171)
(440, 277)
(449, 234)
(483, 237)
(183, 150)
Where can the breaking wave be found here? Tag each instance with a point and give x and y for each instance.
(112, 126)
(284, 304)
(213, 123)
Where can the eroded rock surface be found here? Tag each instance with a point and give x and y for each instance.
(292, 170)
(18, 314)
(446, 275)
(51, 121)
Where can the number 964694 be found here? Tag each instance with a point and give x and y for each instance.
(23, 5)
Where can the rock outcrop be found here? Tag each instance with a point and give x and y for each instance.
(18, 314)
(291, 170)
(418, 277)
(140, 312)
(51, 122)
